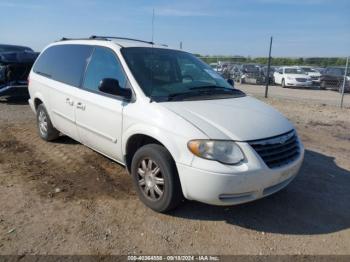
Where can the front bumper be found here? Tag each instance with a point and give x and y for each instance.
(299, 84)
(236, 188)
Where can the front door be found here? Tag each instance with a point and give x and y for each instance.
(98, 115)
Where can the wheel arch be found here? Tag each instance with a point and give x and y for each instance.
(38, 99)
(138, 139)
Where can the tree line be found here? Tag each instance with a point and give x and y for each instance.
(278, 61)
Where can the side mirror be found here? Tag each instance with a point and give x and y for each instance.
(231, 82)
(111, 86)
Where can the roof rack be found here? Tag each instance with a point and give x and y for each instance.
(120, 38)
(107, 38)
(82, 38)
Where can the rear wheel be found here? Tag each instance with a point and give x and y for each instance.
(155, 178)
(45, 127)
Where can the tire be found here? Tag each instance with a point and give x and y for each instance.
(322, 85)
(283, 84)
(45, 128)
(241, 81)
(164, 184)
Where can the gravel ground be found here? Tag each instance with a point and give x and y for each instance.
(63, 198)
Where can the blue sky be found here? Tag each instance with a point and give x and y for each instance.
(217, 27)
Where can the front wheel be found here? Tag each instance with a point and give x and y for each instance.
(155, 178)
(283, 84)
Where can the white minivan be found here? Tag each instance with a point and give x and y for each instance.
(180, 129)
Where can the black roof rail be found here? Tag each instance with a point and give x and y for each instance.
(121, 38)
(106, 38)
(83, 38)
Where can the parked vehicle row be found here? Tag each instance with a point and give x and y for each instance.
(331, 78)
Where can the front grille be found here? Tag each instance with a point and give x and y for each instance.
(333, 83)
(277, 151)
(301, 79)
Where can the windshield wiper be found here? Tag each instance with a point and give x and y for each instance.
(205, 92)
(210, 87)
(181, 95)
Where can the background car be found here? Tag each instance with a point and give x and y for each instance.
(263, 74)
(249, 73)
(15, 65)
(292, 76)
(333, 78)
(313, 73)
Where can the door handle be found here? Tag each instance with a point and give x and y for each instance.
(69, 101)
(81, 106)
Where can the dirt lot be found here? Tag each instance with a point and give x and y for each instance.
(63, 198)
(309, 95)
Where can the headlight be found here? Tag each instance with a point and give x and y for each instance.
(227, 152)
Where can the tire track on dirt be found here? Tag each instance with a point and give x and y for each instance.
(61, 169)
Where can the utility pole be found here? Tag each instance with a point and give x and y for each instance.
(343, 89)
(268, 70)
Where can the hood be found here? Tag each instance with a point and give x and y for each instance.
(239, 119)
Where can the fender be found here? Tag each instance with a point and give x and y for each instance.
(177, 146)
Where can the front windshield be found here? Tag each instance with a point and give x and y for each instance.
(165, 73)
(338, 71)
(297, 71)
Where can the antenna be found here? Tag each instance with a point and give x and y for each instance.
(151, 93)
(153, 26)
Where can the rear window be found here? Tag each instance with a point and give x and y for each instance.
(64, 63)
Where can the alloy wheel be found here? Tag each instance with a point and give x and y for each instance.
(150, 179)
(42, 119)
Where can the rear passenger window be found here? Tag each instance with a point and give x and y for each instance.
(64, 63)
(103, 64)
